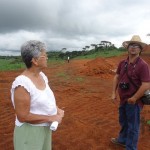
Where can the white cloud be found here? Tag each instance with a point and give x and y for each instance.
(72, 23)
(14, 40)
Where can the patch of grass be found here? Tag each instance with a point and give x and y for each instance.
(103, 53)
(79, 79)
(63, 75)
(15, 64)
(10, 64)
(58, 61)
(54, 62)
(148, 122)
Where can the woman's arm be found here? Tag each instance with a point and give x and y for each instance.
(60, 112)
(22, 109)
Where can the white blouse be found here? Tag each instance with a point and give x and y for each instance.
(42, 101)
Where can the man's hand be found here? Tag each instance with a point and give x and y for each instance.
(114, 98)
(132, 100)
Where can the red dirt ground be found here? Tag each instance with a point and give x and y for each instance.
(83, 89)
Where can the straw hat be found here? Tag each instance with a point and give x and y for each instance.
(135, 39)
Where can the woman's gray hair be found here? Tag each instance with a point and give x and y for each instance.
(31, 49)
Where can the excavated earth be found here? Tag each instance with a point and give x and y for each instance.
(83, 89)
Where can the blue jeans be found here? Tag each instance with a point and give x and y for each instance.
(129, 119)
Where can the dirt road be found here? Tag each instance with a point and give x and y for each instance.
(83, 89)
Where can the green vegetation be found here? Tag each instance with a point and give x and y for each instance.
(148, 122)
(79, 79)
(53, 62)
(101, 54)
(94, 53)
(63, 75)
(10, 64)
(58, 58)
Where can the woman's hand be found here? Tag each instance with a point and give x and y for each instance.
(57, 118)
(60, 112)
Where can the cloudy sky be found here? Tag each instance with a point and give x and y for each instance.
(71, 23)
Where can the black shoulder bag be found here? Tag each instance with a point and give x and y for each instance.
(146, 97)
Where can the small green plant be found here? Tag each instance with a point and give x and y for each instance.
(148, 122)
(80, 79)
(63, 75)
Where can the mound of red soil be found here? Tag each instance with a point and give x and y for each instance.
(99, 67)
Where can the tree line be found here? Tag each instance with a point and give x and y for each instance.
(104, 46)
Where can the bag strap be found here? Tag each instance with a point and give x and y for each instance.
(129, 77)
(126, 69)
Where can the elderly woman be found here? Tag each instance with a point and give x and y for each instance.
(33, 101)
